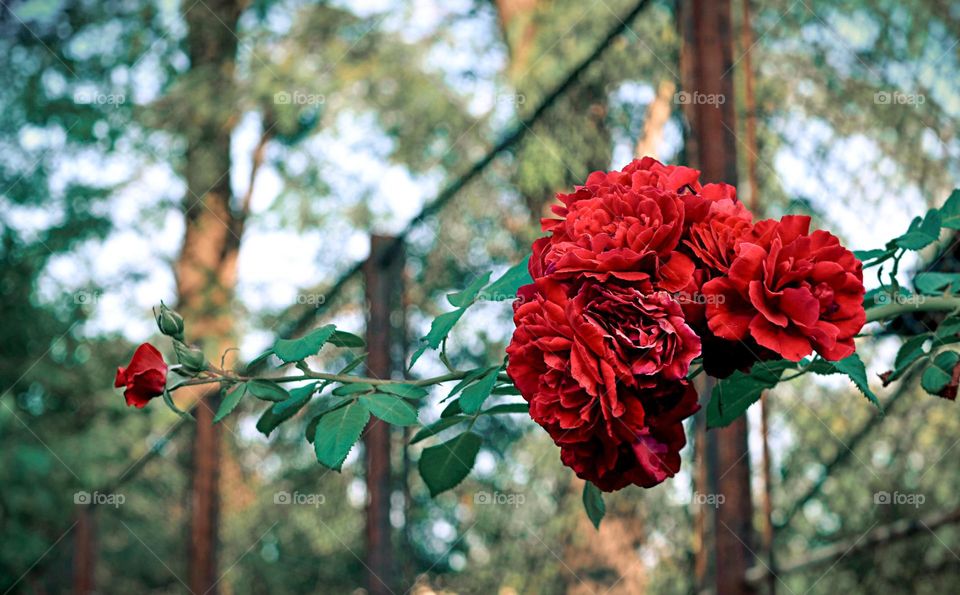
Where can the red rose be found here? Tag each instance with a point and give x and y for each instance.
(791, 291)
(713, 240)
(603, 366)
(144, 377)
(611, 227)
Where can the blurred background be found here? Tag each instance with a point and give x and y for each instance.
(234, 159)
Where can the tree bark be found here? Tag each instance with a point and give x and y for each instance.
(206, 269)
(707, 62)
(383, 276)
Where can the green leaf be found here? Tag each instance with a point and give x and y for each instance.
(950, 211)
(464, 298)
(506, 286)
(294, 350)
(474, 395)
(284, 410)
(439, 329)
(853, 367)
(445, 465)
(337, 432)
(939, 372)
(259, 359)
(507, 408)
(330, 404)
(452, 409)
(468, 379)
(506, 389)
(266, 390)
(352, 389)
(391, 409)
(879, 253)
(438, 426)
(934, 283)
(407, 391)
(593, 504)
(345, 339)
(732, 396)
(230, 401)
(948, 328)
(921, 233)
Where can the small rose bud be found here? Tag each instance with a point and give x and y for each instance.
(170, 323)
(191, 358)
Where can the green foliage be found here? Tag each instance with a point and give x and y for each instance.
(390, 409)
(230, 400)
(854, 368)
(476, 394)
(337, 432)
(438, 426)
(938, 374)
(732, 396)
(593, 503)
(265, 390)
(294, 350)
(445, 465)
(922, 232)
(283, 410)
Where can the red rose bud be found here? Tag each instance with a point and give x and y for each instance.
(791, 291)
(145, 377)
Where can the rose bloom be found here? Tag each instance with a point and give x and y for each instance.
(603, 367)
(791, 291)
(618, 225)
(144, 377)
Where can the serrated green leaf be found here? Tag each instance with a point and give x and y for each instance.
(950, 211)
(506, 286)
(593, 504)
(337, 432)
(468, 379)
(345, 339)
(407, 391)
(438, 426)
(439, 329)
(294, 350)
(465, 298)
(506, 408)
(948, 328)
(938, 374)
(922, 233)
(853, 367)
(391, 409)
(474, 395)
(330, 404)
(933, 283)
(865, 255)
(284, 410)
(352, 389)
(266, 390)
(230, 401)
(732, 396)
(445, 465)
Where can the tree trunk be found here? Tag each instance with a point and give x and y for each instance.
(707, 62)
(206, 270)
(383, 276)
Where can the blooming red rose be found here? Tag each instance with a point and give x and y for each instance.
(611, 227)
(791, 291)
(603, 366)
(144, 377)
(713, 240)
